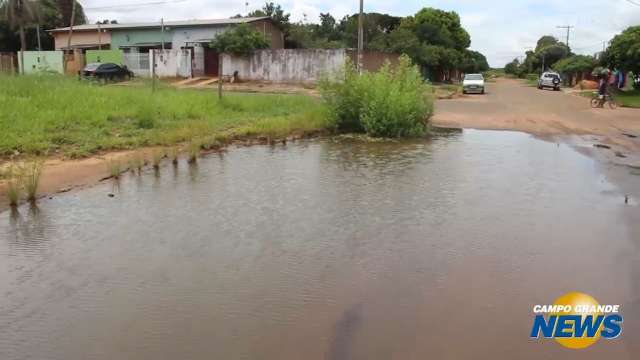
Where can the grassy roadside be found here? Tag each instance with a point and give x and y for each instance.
(45, 115)
(629, 98)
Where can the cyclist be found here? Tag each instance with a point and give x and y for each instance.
(602, 88)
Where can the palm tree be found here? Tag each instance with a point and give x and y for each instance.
(19, 13)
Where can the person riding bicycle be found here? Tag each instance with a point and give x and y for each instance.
(602, 88)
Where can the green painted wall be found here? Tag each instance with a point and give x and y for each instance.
(130, 37)
(104, 56)
(42, 61)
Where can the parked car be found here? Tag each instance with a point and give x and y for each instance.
(473, 83)
(106, 72)
(549, 79)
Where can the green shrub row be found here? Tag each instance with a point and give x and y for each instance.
(392, 102)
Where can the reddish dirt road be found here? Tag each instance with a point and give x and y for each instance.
(513, 105)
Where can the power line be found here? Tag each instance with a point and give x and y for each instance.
(633, 2)
(568, 27)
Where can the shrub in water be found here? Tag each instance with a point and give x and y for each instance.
(393, 102)
(114, 166)
(14, 184)
(31, 174)
(156, 157)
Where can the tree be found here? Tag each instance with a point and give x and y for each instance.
(624, 51)
(577, 64)
(512, 68)
(49, 16)
(545, 41)
(434, 39)
(473, 62)
(275, 12)
(19, 14)
(242, 40)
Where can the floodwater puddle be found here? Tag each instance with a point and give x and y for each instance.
(322, 250)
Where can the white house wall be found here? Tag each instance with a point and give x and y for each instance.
(173, 62)
(285, 65)
(186, 36)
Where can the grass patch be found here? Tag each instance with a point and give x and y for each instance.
(43, 114)
(194, 151)
(156, 158)
(31, 174)
(629, 99)
(173, 153)
(14, 184)
(114, 167)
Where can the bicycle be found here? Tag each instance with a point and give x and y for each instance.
(597, 102)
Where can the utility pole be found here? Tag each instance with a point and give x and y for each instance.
(38, 36)
(73, 15)
(162, 32)
(568, 27)
(152, 52)
(360, 36)
(99, 37)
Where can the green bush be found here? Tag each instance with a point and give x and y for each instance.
(393, 102)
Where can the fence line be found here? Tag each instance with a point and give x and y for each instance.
(8, 63)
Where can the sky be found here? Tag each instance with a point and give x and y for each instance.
(500, 29)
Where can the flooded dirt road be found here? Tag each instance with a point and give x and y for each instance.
(514, 105)
(324, 250)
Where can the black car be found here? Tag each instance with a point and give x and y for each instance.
(106, 72)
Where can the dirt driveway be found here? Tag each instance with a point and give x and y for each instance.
(513, 105)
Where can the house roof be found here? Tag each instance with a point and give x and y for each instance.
(167, 24)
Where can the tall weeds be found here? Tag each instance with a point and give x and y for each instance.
(31, 175)
(114, 167)
(156, 158)
(14, 184)
(392, 102)
(194, 151)
(174, 153)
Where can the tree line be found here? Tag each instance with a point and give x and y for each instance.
(623, 53)
(20, 19)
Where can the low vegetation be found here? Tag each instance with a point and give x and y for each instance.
(156, 157)
(629, 98)
(393, 102)
(58, 115)
(23, 179)
(114, 167)
(31, 174)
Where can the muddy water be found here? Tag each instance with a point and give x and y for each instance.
(323, 250)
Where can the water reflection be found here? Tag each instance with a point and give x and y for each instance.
(321, 249)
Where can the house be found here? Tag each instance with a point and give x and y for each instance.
(139, 38)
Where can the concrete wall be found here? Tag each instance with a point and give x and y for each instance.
(373, 60)
(42, 61)
(105, 56)
(172, 63)
(285, 65)
(81, 38)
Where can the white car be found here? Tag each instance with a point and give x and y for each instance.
(473, 83)
(549, 79)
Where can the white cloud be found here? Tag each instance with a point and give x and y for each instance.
(501, 29)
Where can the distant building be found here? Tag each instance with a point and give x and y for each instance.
(141, 37)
